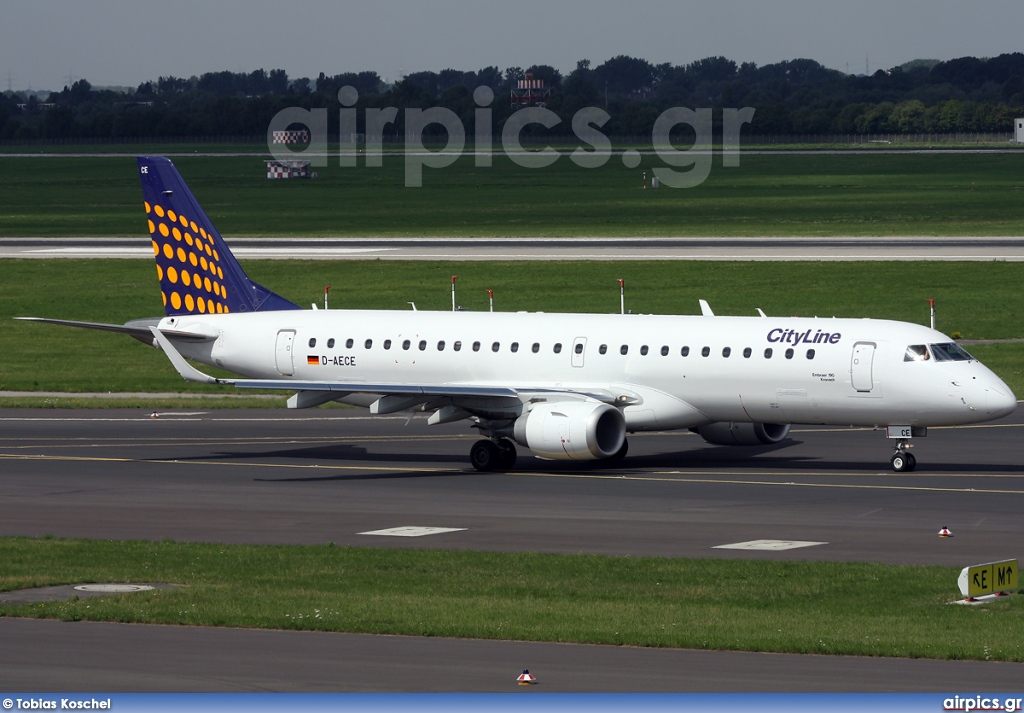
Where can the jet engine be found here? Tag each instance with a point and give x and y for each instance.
(571, 430)
(724, 433)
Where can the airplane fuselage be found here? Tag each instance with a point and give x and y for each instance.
(668, 372)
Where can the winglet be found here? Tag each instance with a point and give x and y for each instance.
(187, 371)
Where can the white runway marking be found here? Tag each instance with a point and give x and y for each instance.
(412, 531)
(770, 545)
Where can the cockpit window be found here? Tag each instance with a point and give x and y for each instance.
(916, 352)
(950, 351)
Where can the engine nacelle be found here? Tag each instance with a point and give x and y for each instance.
(724, 433)
(571, 430)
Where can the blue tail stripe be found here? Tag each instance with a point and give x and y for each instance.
(197, 272)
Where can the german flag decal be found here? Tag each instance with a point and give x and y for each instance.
(312, 360)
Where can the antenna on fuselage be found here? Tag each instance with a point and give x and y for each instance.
(705, 309)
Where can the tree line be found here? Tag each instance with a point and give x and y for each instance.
(792, 97)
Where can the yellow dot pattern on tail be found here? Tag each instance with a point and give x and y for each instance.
(176, 250)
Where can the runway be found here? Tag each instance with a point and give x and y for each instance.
(270, 476)
(898, 248)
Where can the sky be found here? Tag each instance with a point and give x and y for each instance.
(126, 42)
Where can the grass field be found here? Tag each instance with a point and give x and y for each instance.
(979, 300)
(786, 195)
(749, 605)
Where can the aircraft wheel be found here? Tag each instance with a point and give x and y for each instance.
(912, 462)
(485, 456)
(506, 454)
(902, 463)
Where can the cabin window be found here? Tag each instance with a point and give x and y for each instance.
(558, 348)
(423, 345)
(747, 352)
(368, 343)
(514, 347)
(406, 344)
(349, 342)
(624, 349)
(810, 353)
(440, 346)
(312, 342)
(643, 350)
(387, 344)
(726, 352)
(535, 348)
(457, 346)
(705, 351)
(603, 349)
(330, 343)
(578, 348)
(664, 351)
(476, 346)
(685, 351)
(495, 347)
(789, 353)
(916, 352)
(768, 353)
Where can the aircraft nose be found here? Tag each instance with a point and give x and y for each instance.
(999, 400)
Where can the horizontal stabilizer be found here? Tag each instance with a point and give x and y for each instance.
(136, 328)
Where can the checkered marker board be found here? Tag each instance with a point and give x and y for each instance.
(290, 137)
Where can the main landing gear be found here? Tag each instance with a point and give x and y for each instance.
(487, 455)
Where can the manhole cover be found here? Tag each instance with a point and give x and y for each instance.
(113, 588)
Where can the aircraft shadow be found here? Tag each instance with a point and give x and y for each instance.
(775, 457)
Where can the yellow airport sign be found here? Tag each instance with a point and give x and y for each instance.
(988, 578)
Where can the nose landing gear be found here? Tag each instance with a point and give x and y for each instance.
(903, 462)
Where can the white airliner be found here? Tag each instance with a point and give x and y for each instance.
(566, 386)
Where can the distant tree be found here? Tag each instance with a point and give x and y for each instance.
(623, 75)
(712, 69)
(488, 77)
(908, 117)
(277, 81)
(427, 82)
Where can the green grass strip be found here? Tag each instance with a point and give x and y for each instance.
(743, 605)
(784, 195)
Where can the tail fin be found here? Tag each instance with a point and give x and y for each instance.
(197, 272)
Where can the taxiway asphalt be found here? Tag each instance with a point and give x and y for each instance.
(274, 476)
